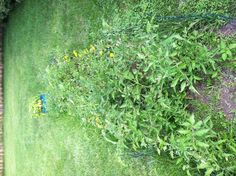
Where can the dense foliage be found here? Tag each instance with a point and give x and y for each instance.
(133, 82)
(5, 6)
(3, 9)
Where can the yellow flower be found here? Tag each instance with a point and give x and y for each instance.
(66, 59)
(92, 48)
(111, 55)
(101, 53)
(86, 51)
(98, 122)
(75, 53)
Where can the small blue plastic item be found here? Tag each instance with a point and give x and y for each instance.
(44, 103)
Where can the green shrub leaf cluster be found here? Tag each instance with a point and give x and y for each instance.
(133, 84)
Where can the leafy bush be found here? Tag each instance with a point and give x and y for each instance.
(5, 6)
(203, 6)
(132, 83)
(3, 9)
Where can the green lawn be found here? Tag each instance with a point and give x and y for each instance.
(35, 31)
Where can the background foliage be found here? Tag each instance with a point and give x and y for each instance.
(5, 6)
(3, 9)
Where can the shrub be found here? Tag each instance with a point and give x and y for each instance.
(3, 9)
(203, 6)
(6, 6)
(132, 83)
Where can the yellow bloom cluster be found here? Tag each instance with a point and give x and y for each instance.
(87, 52)
(75, 53)
(66, 59)
(111, 55)
(35, 107)
(96, 121)
(92, 48)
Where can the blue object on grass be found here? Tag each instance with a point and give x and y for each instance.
(44, 103)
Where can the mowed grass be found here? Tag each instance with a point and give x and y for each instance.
(35, 32)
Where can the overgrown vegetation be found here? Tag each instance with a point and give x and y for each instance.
(51, 146)
(5, 7)
(132, 83)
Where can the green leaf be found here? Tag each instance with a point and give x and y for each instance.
(158, 151)
(220, 174)
(192, 119)
(149, 27)
(194, 90)
(229, 53)
(223, 45)
(207, 119)
(182, 131)
(198, 125)
(204, 68)
(209, 171)
(197, 78)
(202, 166)
(183, 85)
(224, 56)
(186, 124)
(214, 74)
(201, 144)
(175, 53)
(128, 75)
(174, 83)
(172, 154)
(105, 24)
(201, 132)
(232, 46)
(179, 160)
(232, 148)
